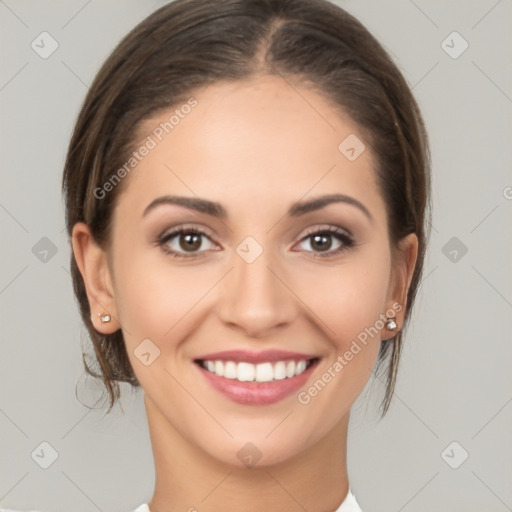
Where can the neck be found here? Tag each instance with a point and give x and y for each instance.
(188, 479)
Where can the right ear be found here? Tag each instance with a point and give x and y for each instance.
(92, 262)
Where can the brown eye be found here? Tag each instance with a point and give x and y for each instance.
(190, 241)
(182, 241)
(321, 242)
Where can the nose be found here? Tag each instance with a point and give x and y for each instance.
(255, 297)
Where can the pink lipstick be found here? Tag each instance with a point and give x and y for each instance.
(256, 378)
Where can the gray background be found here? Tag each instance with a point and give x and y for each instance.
(455, 381)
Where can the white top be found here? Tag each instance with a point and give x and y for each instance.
(349, 505)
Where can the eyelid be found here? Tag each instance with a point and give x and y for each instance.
(326, 227)
(184, 227)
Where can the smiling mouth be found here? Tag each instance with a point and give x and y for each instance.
(263, 372)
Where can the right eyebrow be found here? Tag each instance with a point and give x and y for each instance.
(193, 203)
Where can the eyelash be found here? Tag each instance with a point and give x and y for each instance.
(341, 235)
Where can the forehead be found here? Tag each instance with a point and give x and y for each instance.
(244, 140)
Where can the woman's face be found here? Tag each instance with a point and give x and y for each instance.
(252, 278)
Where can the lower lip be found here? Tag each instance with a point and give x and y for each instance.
(257, 393)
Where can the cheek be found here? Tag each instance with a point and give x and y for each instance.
(156, 302)
(154, 298)
(350, 297)
(350, 301)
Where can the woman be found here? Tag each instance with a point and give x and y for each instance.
(247, 188)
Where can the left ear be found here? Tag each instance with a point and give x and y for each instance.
(404, 263)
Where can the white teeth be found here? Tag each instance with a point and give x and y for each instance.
(245, 372)
(280, 370)
(301, 366)
(230, 370)
(219, 368)
(263, 372)
(290, 369)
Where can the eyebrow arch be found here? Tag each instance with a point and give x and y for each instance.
(300, 208)
(217, 210)
(192, 203)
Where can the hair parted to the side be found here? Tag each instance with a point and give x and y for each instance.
(187, 45)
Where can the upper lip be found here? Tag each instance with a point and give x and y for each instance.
(246, 356)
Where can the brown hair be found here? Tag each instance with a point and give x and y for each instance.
(189, 44)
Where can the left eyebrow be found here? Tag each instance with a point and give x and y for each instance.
(301, 208)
